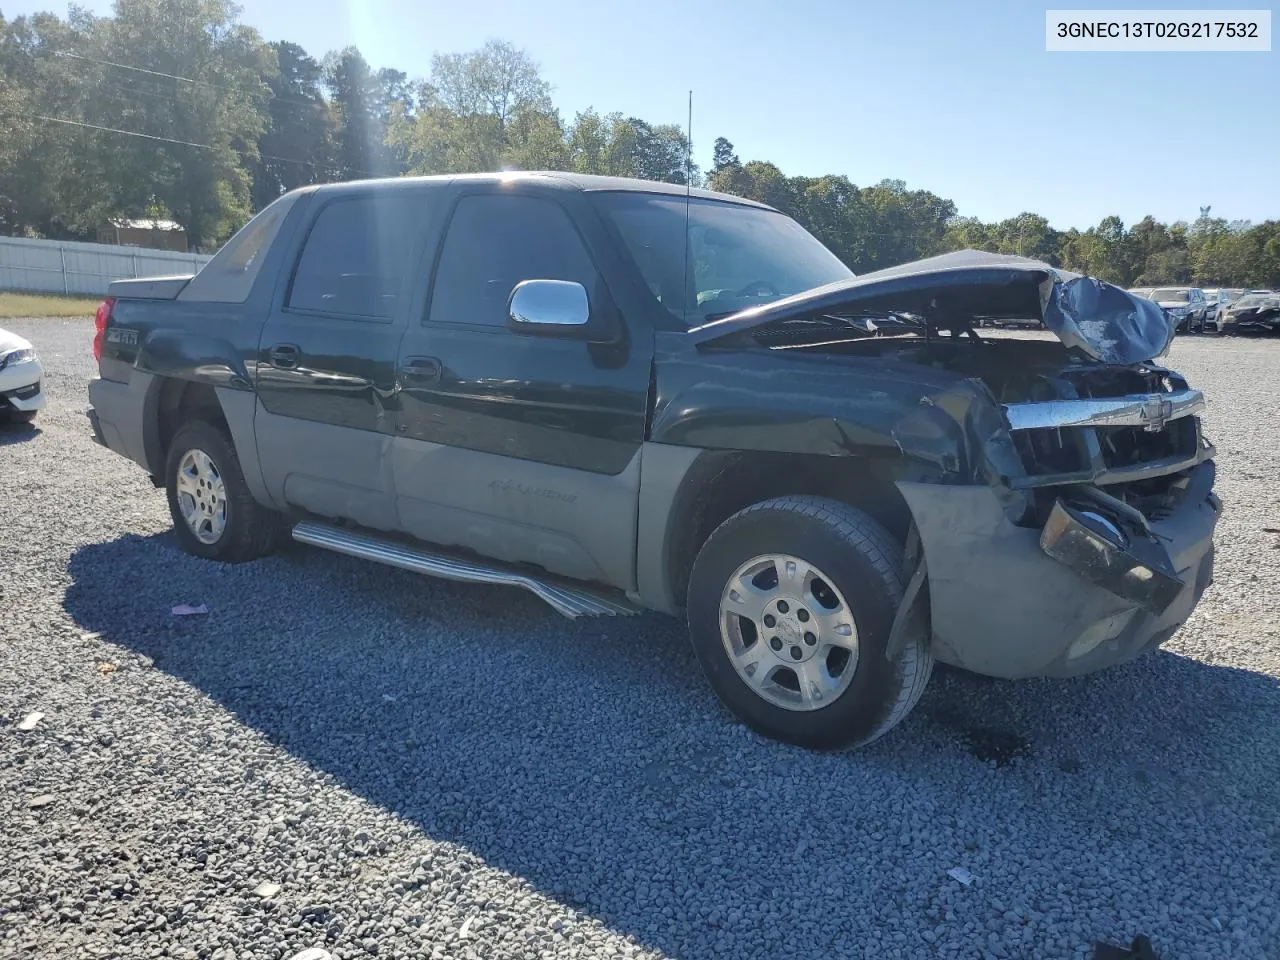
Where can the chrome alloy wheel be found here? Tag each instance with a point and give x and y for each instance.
(788, 632)
(202, 496)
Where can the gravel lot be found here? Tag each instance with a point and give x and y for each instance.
(424, 769)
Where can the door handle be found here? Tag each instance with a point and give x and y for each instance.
(421, 369)
(284, 356)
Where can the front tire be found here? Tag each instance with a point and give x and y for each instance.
(214, 514)
(790, 606)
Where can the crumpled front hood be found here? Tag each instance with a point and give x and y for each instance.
(1096, 318)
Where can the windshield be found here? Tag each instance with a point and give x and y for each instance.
(739, 256)
(1171, 293)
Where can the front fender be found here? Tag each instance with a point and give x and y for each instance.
(765, 401)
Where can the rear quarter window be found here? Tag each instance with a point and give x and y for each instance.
(230, 275)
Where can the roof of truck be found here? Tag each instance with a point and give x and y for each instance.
(579, 181)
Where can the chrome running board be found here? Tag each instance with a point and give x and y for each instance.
(572, 601)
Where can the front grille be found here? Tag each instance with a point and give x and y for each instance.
(1124, 447)
(1052, 450)
(1107, 437)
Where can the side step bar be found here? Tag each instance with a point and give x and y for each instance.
(570, 600)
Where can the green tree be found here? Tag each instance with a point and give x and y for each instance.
(32, 84)
(970, 233)
(360, 134)
(662, 152)
(1028, 235)
(296, 147)
(601, 145)
(482, 110)
(1264, 270)
(834, 211)
(498, 80)
(1150, 242)
(907, 224)
(218, 104)
(172, 108)
(759, 181)
(722, 156)
(436, 140)
(536, 141)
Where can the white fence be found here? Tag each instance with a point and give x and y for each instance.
(61, 266)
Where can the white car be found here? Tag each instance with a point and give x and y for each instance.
(20, 374)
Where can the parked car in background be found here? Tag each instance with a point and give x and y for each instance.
(1212, 302)
(20, 373)
(1216, 300)
(1256, 311)
(1185, 307)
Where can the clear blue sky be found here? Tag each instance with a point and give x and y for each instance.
(957, 98)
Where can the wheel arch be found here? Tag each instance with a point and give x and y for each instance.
(173, 401)
(714, 485)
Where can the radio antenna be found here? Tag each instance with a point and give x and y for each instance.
(688, 146)
(688, 190)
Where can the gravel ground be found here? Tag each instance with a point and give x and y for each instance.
(345, 756)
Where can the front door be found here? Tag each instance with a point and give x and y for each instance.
(523, 447)
(326, 370)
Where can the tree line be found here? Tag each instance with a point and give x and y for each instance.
(174, 109)
(885, 224)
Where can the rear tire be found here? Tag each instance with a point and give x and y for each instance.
(816, 639)
(214, 514)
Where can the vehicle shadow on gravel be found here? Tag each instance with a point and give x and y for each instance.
(16, 431)
(589, 757)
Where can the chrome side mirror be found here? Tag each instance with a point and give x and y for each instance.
(549, 306)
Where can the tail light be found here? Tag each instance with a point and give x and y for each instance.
(100, 321)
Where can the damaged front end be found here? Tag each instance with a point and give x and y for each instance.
(1091, 544)
(1081, 533)
(1100, 471)
(1087, 546)
(1254, 312)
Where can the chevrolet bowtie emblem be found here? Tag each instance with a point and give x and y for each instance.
(1155, 413)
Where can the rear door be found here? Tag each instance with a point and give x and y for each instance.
(521, 446)
(326, 365)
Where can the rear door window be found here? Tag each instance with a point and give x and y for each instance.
(356, 257)
(494, 242)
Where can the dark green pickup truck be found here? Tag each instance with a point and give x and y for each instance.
(621, 395)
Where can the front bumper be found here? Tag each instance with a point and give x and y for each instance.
(1000, 605)
(1268, 323)
(20, 386)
